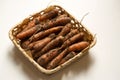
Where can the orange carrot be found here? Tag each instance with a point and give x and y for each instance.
(32, 23)
(49, 15)
(71, 34)
(39, 45)
(45, 16)
(51, 45)
(56, 60)
(44, 59)
(44, 33)
(75, 47)
(41, 35)
(78, 46)
(60, 21)
(65, 30)
(55, 22)
(25, 43)
(72, 40)
(30, 45)
(27, 33)
(67, 57)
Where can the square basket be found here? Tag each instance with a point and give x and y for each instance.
(16, 29)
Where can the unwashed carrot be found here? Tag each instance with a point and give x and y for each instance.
(25, 43)
(72, 40)
(32, 23)
(78, 46)
(56, 60)
(27, 33)
(45, 16)
(65, 30)
(41, 35)
(47, 57)
(60, 21)
(71, 34)
(39, 45)
(51, 45)
(44, 33)
(75, 47)
(67, 57)
(49, 15)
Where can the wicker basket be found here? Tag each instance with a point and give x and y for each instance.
(75, 23)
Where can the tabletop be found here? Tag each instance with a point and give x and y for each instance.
(103, 20)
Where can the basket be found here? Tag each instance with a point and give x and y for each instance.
(75, 23)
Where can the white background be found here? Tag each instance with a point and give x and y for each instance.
(103, 60)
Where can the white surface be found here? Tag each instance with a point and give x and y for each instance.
(102, 63)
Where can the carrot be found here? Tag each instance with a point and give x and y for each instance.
(44, 33)
(41, 35)
(56, 60)
(49, 15)
(66, 58)
(72, 40)
(27, 33)
(75, 47)
(71, 34)
(65, 30)
(24, 44)
(32, 23)
(78, 46)
(55, 22)
(44, 59)
(30, 45)
(45, 16)
(58, 21)
(39, 45)
(54, 43)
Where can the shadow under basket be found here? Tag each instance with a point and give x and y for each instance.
(76, 24)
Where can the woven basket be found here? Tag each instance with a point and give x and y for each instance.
(18, 28)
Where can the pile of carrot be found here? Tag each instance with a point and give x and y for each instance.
(51, 38)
